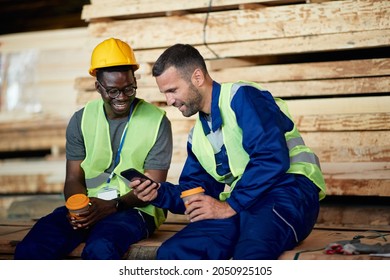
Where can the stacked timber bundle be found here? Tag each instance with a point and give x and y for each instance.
(328, 59)
(37, 98)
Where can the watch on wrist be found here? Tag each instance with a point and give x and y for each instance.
(119, 204)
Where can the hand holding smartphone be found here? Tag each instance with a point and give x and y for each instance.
(133, 174)
(144, 193)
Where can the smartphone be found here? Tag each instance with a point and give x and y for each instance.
(133, 174)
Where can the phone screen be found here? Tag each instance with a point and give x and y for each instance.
(133, 174)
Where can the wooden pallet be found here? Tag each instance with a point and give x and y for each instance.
(11, 232)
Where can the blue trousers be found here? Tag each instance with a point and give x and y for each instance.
(273, 224)
(52, 237)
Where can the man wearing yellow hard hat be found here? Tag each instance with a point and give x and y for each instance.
(107, 136)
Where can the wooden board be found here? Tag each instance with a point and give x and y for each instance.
(244, 25)
(282, 46)
(361, 215)
(137, 8)
(33, 176)
(26, 132)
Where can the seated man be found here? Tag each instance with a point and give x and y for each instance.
(107, 136)
(245, 139)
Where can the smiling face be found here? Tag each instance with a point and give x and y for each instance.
(118, 107)
(180, 93)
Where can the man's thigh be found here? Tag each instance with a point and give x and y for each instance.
(207, 239)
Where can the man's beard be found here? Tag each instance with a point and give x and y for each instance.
(193, 104)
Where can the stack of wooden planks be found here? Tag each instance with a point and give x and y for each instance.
(42, 66)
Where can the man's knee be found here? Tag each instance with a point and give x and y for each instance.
(101, 249)
(29, 250)
(255, 250)
(23, 251)
(170, 250)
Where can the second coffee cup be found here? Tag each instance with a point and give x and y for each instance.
(185, 195)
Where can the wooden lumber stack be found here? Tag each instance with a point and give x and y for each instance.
(43, 65)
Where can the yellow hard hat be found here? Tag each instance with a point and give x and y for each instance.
(112, 52)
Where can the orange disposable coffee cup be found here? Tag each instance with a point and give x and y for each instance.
(185, 195)
(77, 204)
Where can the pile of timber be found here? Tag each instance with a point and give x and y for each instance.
(43, 66)
(328, 59)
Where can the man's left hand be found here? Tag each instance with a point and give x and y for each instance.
(204, 207)
(98, 210)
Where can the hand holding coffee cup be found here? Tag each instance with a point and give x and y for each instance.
(186, 195)
(77, 204)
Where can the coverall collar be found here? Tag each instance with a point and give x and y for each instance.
(216, 119)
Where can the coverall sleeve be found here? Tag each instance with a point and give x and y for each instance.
(192, 176)
(263, 127)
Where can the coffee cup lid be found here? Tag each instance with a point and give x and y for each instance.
(77, 201)
(192, 191)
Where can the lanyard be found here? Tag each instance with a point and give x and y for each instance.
(117, 157)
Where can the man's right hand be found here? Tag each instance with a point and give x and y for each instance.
(146, 190)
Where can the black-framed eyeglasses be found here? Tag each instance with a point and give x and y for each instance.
(114, 92)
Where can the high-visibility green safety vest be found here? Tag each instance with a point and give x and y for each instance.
(302, 159)
(142, 130)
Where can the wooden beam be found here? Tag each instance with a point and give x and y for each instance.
(320, 106)
(342, 105)
(308, 89)
(36, 133)
(360, 68)
(349, 147)
(138, 8)
(356, 187)
(294, 45)
(369, 170)
(306, 71)
(373, 217)
(344, 122)
(332, 140)
(71, 38)
(330, 87)
(279, 22)
(33, 177)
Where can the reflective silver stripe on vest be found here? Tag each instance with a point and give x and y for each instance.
(293, 142)
(234, 89)
(306, 157)
(302, 156)
(127, 182)
(97, 181)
